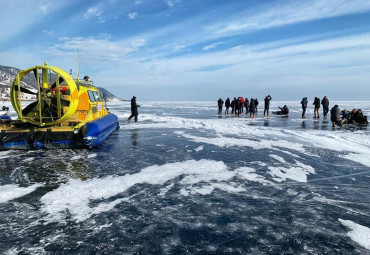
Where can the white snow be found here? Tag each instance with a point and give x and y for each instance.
(297, 172)
(199, 148)
(358, 233)
(197, 177)
(278, 158)
(76, 195)
(12, 191)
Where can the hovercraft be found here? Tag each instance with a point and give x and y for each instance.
(66, 113)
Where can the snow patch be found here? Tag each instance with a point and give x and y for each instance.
(297, 172)
(76, 195)
(358, 233)
(13, 191)
(199, 148)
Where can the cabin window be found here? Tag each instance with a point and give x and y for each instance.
(91, 96)
(96, 95)
(102, 96)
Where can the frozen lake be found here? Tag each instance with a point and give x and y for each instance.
(185, 180)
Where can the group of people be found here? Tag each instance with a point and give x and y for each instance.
(354, 116)
(337, 117)
(238, 104)
(316, 102)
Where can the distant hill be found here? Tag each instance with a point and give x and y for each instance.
(108, 96)
(8, 73)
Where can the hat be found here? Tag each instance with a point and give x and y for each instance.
(336, 105)
(134, 97)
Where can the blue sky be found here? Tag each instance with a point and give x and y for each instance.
(198, 49)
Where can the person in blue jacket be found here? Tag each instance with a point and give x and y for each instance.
(304, 103)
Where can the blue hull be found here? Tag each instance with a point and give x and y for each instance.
(98, 130)
(90, 136)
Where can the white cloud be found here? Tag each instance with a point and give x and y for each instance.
(94, 12)
(212, 46)
(97, 48)
(138, 2)
(132, 15)
(172, 3)
(308, 63)
(48, 32)
(18, 16)
(179, 47)
(45, 8)
(284, 13)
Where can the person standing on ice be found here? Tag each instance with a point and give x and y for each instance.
(238, 106)
(251, 108)
(256, 103)
(325, 106)
(227, 105)
(304, 103)
(316, 103)
(246, 105)
(233, 105)
(220, 103)
(134, 112)
(267, 105)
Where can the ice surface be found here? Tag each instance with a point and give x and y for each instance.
(358, 233)
(76, 195)
(229, 132)
(12, 191)
(187, 180)
(197, 177)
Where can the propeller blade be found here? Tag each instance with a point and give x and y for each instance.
(63, 102)
(35, 73)
(47, 112)
(55, 83)
(24, 90)
(29, 108)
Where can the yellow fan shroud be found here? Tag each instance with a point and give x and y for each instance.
(56, 98)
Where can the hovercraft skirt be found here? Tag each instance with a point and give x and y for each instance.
(97, 131)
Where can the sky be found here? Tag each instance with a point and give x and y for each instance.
(197, 49)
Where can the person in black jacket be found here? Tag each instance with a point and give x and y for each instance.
(316, 103)
(252, 108)
(238, 106)
(360, 118)
(233, 105)
(220, 103)
(256, 103)
(304, 103)
(246, 105)
(335, 116)
(325, 106)
(227, 105)
(267, 105)
(283, 110)
(134, 112)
